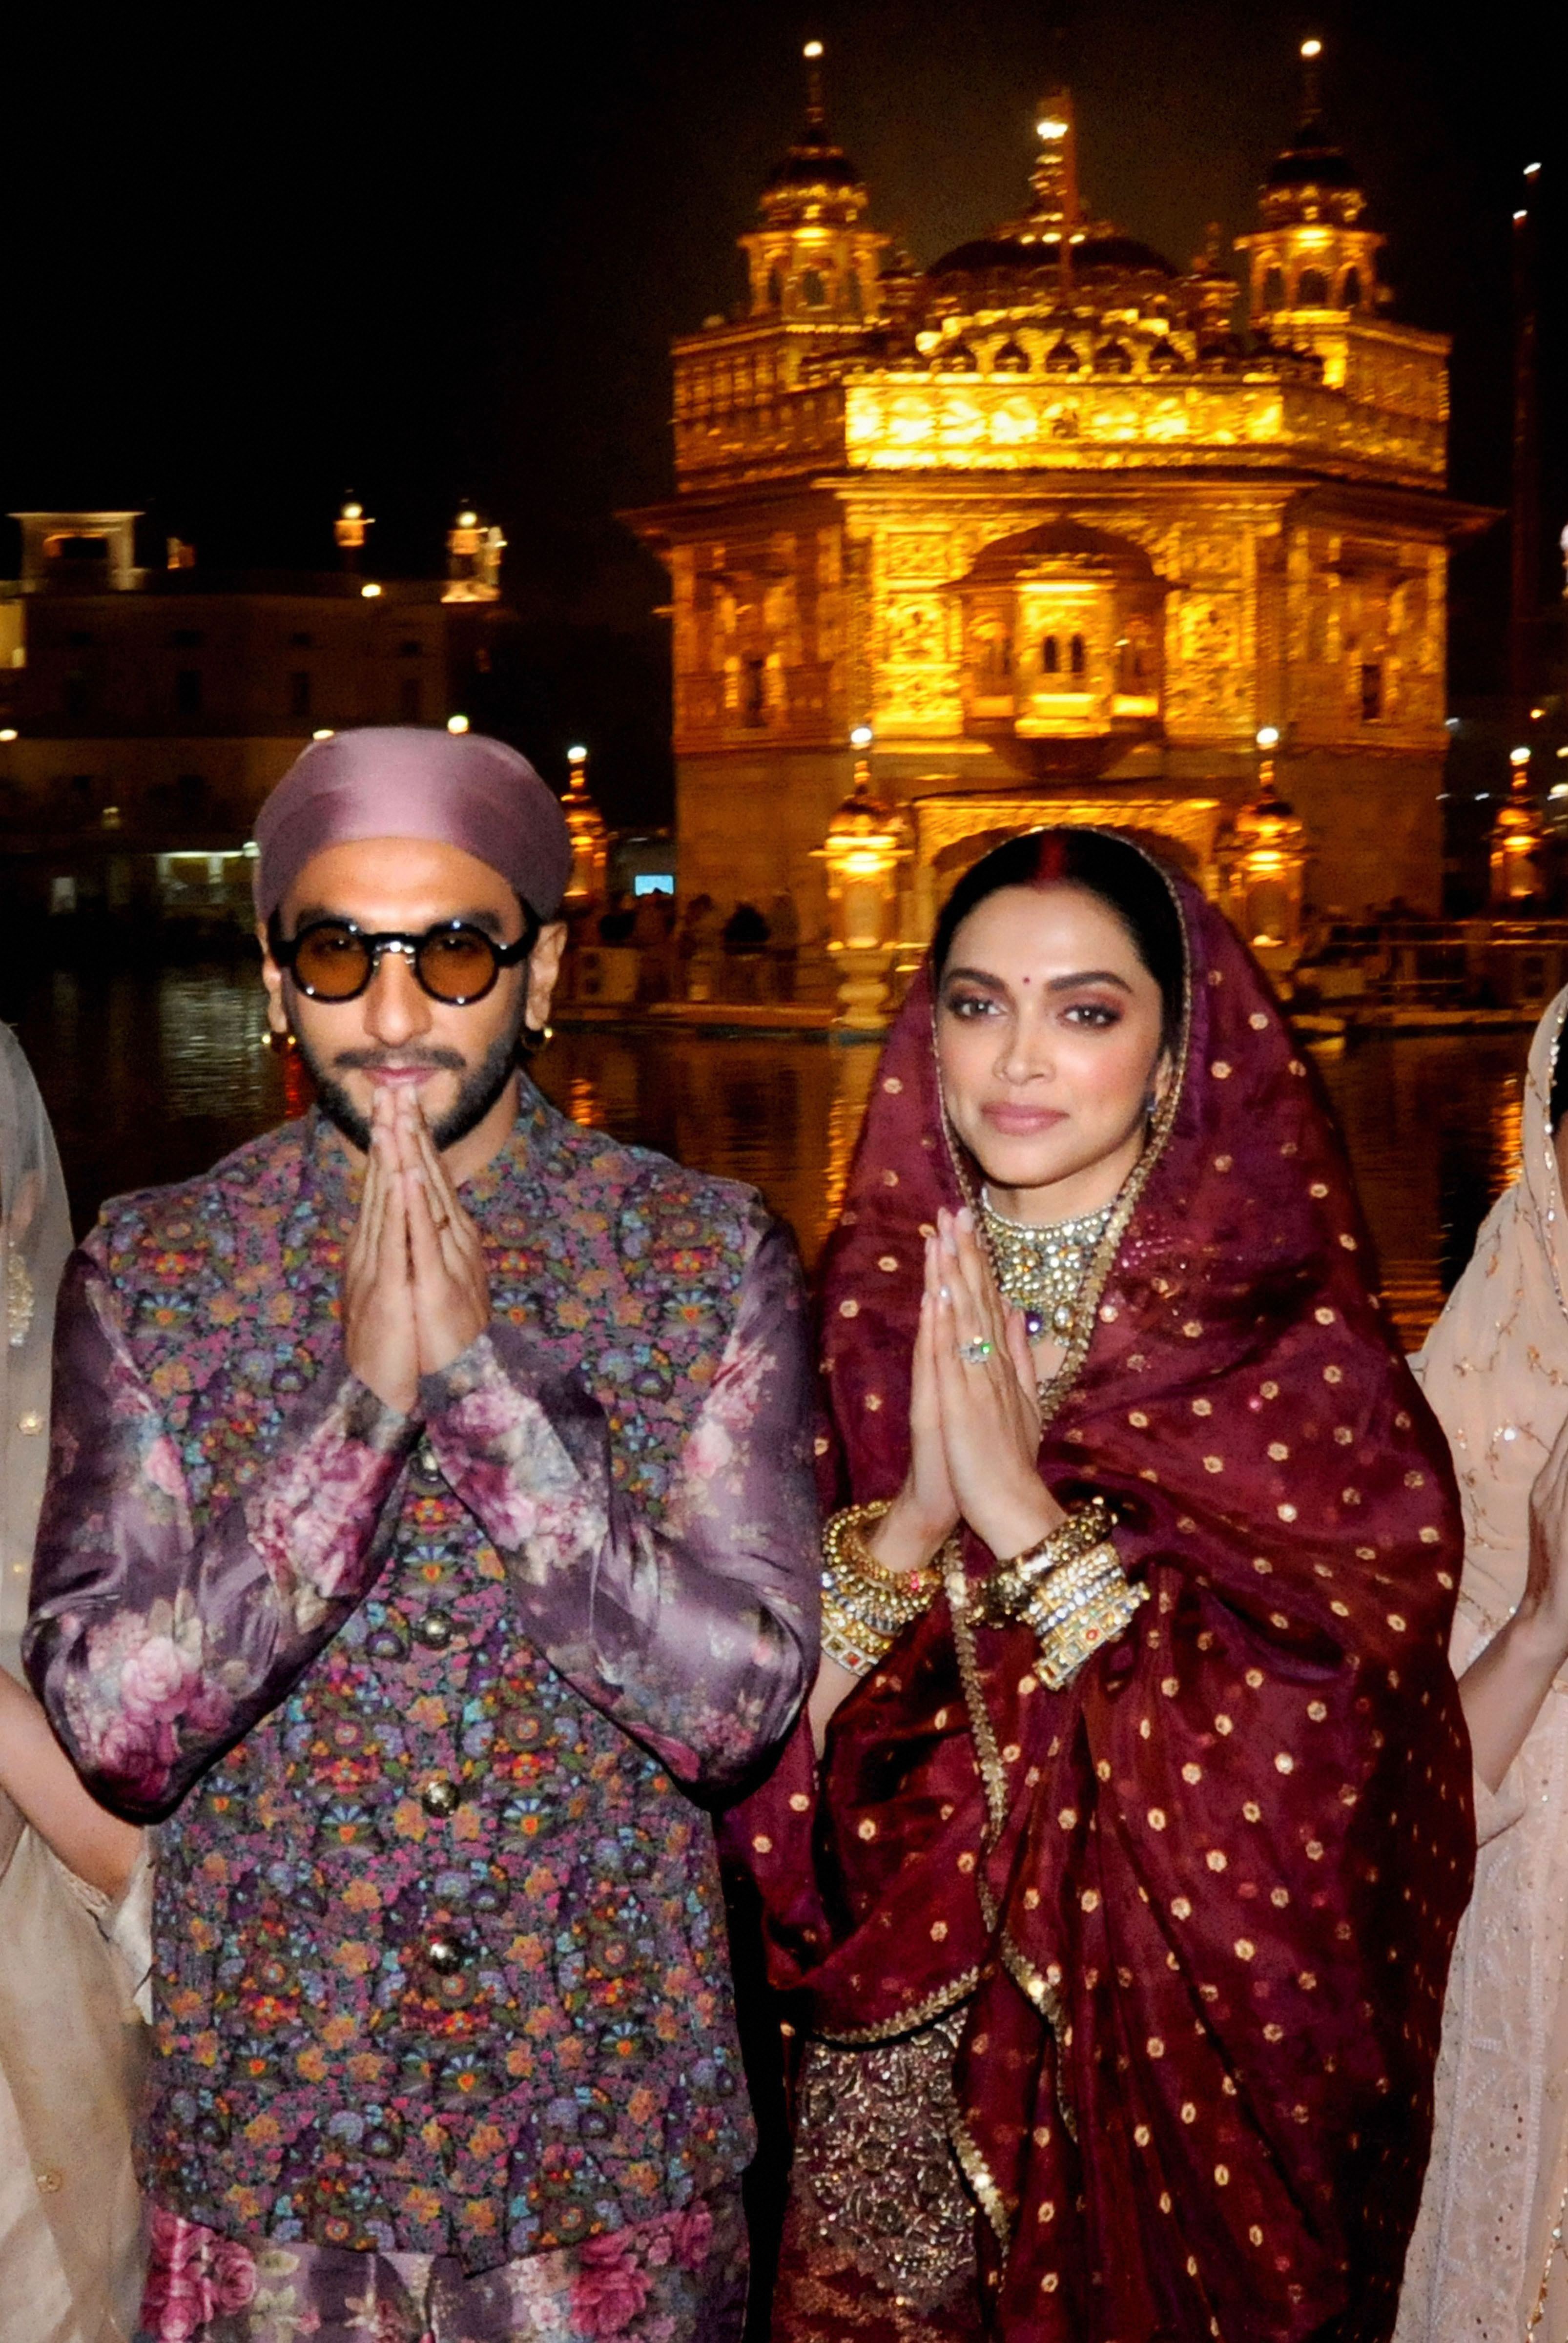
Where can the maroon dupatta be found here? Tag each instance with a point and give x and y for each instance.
(1200, 1903)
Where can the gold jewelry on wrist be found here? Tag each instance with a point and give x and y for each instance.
(1070, 1588)
(865, 1605)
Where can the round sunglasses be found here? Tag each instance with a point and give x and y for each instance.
(332, 959)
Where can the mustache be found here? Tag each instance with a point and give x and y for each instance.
(402, 1061)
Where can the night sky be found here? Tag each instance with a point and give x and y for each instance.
(255, 258)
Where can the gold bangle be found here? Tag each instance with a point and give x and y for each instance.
(856, 1572)
(1070, 1588)
(1105, 1617)
(1086, 1525)
(1010, 1590)
(845, 1640)
(866, 1607)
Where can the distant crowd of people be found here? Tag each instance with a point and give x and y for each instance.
(695, 953)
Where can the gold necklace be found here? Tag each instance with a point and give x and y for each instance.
(1042, 1270)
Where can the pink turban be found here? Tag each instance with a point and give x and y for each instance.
(402, 781)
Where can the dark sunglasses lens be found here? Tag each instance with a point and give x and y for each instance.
(331, 962)
(456, 965)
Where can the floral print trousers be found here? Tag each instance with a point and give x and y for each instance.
(680, 2278)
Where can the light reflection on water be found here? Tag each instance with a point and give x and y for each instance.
(152, 1077)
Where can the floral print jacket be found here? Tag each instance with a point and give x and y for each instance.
(439, 1955)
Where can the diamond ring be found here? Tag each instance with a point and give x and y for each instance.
(975, 1352)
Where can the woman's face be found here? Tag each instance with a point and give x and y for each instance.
(1049, 1041)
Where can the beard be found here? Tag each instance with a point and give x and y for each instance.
(478, 1087)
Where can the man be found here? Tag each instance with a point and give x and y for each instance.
(429, 1499)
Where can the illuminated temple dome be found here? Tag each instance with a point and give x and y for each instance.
(1314, 256)
(1065, 524)
(1022, 265)
(811, 257)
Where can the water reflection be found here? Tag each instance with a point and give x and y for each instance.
(781, 1115)
(1433, 1126)
(153, 1076)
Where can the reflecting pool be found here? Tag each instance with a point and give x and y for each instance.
(153, 1076)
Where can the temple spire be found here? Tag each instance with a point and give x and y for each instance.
(1055, 179)
(1313, 255)
(810, 256)
(816, 111)
(1312, 85)
(1055, 175)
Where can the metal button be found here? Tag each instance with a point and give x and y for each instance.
(440, 1796)
(32, 1422)
(444, 1957)
(50, 2182)
(434, 1630)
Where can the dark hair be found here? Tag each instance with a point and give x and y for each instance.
(1559, 1083)
(1125, 880)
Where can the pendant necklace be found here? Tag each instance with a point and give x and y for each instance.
(1042, 1270)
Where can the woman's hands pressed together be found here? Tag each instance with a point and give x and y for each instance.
(415, 1292)
(974, 1414)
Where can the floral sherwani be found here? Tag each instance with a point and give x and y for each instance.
(440, 1964)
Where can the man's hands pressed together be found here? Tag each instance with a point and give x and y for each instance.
(415, 1292)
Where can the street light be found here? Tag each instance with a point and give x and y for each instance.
(1515, 842)
(1264, 858)
(867, 843)
(585, 829)
(456, 723)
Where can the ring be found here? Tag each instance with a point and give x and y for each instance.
(976, 1351)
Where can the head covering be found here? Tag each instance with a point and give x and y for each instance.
(1495, 1365)
(403, 781)
(1139, 1885)
(35, 1238)
(1485, 2259)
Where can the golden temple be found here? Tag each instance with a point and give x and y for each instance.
(1061, 534)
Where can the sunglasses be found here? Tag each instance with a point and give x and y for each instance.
(332, 959)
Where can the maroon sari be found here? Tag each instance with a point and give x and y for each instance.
(1199, 1906)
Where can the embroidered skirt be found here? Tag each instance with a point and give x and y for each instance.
(878, 2236)
(680, 2278)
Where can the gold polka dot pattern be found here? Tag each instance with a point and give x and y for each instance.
(1215, 1881)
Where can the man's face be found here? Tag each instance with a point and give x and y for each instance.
(458, 1060)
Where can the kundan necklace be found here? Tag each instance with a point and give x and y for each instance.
(1042, 1270)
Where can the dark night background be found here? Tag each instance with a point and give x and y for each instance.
(261, 257)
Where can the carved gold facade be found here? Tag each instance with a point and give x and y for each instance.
(1043, 520)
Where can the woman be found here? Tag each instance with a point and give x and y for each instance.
(73, 1920)
(1486, 2259)
(1132, 1867)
